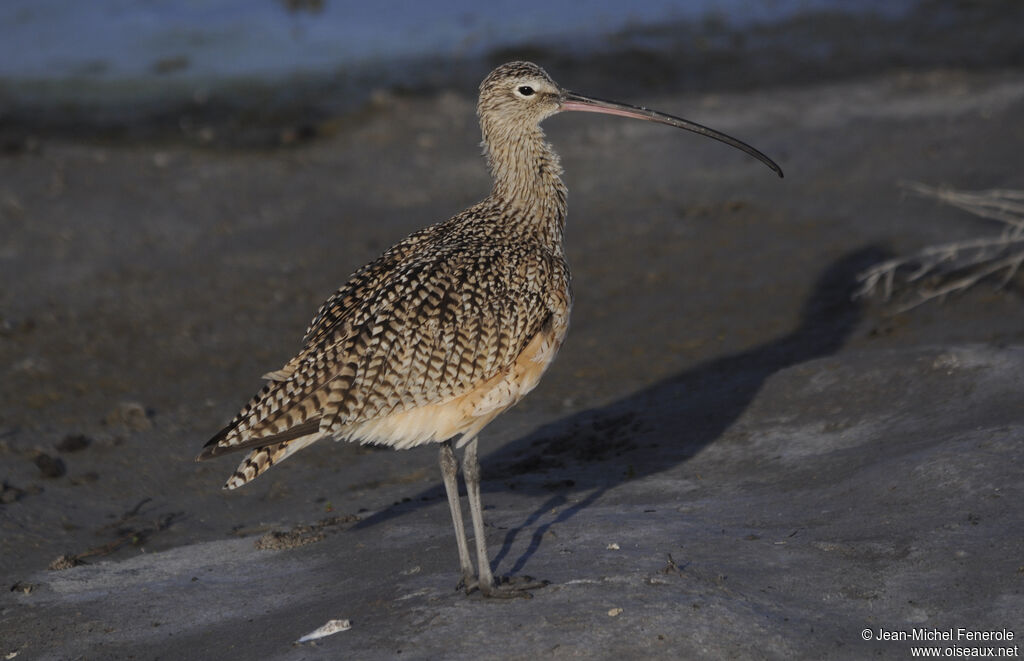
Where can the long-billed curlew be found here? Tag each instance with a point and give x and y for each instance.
(449, 327)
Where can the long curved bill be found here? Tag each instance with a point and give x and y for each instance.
(580, 103)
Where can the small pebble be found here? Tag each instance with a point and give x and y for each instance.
(65, 561)
(131, 415)
(10, 493)
(23, 587)
(74, 443)
(49, 466)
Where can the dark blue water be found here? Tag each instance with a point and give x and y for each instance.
(105, 40)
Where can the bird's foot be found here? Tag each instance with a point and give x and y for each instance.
(511, 587)
(467, 584)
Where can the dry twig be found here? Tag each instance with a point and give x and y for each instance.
(961, 264)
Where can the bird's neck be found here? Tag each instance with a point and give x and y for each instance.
(527, 181)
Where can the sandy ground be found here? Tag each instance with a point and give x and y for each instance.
(730, 458)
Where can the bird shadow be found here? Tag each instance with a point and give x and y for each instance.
(586, 452)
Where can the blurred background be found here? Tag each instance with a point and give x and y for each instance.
(236, 71)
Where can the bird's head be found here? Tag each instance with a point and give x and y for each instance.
(517, 96)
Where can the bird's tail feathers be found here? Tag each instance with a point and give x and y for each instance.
(262, 458)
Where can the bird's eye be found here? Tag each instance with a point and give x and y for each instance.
(525, 90)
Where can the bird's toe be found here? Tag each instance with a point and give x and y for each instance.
(513, 587)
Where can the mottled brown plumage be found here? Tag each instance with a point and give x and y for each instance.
(449, 327)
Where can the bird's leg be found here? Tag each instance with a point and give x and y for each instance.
(449, 469)
(508, 587)
(471, 473)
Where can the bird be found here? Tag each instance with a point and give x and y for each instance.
(449, 327)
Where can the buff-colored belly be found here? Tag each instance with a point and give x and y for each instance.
(466, 414)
